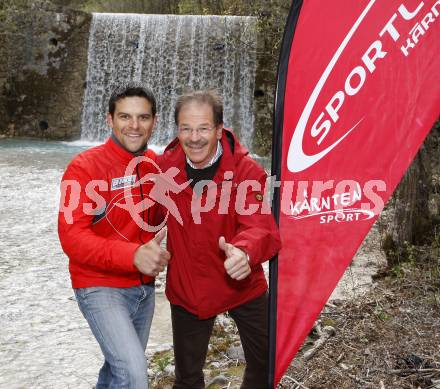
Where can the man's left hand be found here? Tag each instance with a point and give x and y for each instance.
(236, 263)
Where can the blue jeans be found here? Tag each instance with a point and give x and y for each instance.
(120, 320)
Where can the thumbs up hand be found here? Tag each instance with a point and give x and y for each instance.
(236, 263)
(150, 258)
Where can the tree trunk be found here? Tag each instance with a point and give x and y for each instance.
(416, 202)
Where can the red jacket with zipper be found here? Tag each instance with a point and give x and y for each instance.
(100, 235)
(196, 277)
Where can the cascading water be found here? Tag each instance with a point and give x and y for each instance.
(171, 54)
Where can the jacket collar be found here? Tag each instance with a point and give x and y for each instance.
(116, 147)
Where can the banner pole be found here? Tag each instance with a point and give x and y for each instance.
(277, 137)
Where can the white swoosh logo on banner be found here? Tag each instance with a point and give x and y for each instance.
(297, 160)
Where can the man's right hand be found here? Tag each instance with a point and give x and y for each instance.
(150, 258)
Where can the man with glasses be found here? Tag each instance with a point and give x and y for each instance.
(218, 247)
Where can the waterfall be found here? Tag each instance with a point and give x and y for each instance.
(171, 54)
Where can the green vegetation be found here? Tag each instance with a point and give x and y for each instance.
(15, 4)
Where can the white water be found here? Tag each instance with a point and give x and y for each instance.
(171, 54)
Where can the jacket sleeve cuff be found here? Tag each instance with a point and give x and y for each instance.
(124, 256)
(246, 247)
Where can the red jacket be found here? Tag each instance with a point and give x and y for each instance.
(196, 277)
(101, 243)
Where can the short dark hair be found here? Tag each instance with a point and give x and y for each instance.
(131, 89)
(210, 97)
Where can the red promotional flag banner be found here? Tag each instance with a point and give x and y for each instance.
(358, 91)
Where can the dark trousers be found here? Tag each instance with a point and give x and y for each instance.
(191, 337)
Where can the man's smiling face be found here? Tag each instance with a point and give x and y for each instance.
(197, 133)
(132, 122)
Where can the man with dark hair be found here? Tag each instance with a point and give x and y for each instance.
(218, 249)
(112, 260)
(131, 90)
